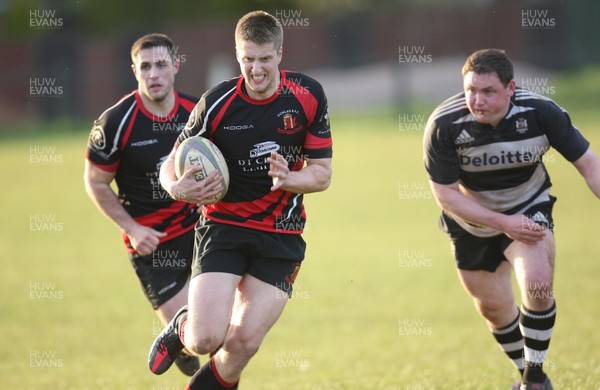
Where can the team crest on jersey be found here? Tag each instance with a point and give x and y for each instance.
(521, 125)
(290, 125)
(97, 138)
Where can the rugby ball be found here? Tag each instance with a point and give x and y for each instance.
(203, 152)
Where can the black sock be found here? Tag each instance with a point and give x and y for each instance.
(511, 342)
(207, 378)
(537, 330)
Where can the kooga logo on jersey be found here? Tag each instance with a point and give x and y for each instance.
(502, 159)
(238, 127)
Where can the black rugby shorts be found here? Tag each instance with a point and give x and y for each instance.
(164, 273)
(487, 253)
(274, 258)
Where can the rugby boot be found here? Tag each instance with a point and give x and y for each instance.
(189, 364)
(167, 346)
(547, 385)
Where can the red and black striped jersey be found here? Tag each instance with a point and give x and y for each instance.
(294, 122)
(130, 141)
(502, 168)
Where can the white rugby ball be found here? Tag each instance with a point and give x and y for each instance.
(203, 152)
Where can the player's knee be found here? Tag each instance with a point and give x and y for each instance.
(538, 284)
(494, 310)
(538, 292)
(243, 344)
(202, 345)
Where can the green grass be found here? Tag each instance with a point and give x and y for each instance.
(377, 303)
(578, 90)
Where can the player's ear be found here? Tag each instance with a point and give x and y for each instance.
(279, 55)
(134, 69)
(176, 64)
(511, 86)
(237, 54)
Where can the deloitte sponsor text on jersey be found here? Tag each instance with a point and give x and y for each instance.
(504, 158)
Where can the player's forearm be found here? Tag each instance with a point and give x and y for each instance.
(107, 202)
(588, 166)
(456, 203)
(311, 178)
(592, 177)
(594, 185)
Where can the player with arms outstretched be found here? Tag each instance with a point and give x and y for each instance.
(272, 127)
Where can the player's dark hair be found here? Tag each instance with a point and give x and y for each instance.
(487, 61)
(152, 40)
(259, 27)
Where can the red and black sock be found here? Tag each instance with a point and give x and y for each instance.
(181, 321)
(207, 378)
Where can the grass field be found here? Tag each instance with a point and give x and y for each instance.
(377, 304)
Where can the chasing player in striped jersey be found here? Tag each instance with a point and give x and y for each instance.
(483, 151)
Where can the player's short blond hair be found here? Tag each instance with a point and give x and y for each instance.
(259, 27)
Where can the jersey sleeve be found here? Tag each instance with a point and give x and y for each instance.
(104, 149)
(563, 135)
(196, 124)
(441, 159)
(318, 143)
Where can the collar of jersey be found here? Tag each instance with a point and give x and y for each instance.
(242, 91)
(157, 118)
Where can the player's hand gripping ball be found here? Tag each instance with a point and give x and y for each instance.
(203, 152)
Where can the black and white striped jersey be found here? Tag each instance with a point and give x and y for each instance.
(501, 168)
